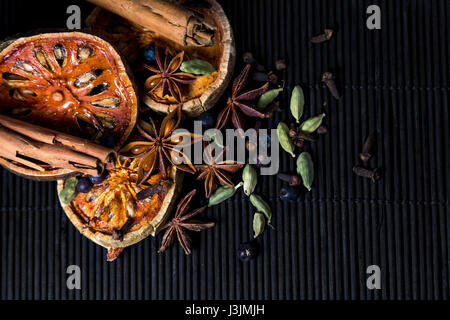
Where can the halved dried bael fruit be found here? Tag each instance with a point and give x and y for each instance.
(204, 90)
(71, 82)
(118, 212)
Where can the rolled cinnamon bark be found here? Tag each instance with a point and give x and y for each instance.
(34, 154)
(169, 19)
(34, 147)
(56, 138)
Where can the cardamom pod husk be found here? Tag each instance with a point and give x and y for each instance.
(267, 98)
(305, 168)
(69, 192)
(284, 139)
(217, 139)
(197, 66)
(261, 206)
(312, 124)
(259, 223)
(223, 193)
(297, 103)
(250, 179)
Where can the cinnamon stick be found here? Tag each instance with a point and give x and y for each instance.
(35, 147)
(171, 20)
(49, 136)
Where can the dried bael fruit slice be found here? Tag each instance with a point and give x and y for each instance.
(118, 212)
(198, 95)
(72, 82)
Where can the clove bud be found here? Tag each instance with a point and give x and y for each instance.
(299, 137)
(366, 153)
(292, 179)
(280, 64)
(373, 174)
(322, 129)
(328, 79)
(118, 234)
(272, 108)
(325, 36)
(248, 58)
(273, 78)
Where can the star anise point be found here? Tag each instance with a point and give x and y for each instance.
(166, 77)
(239, 104)
(159, 151)
(180, 225)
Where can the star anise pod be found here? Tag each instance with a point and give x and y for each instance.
(166, 77)
(161, 148)
(181, 224)
(216, 171)
(240, 104)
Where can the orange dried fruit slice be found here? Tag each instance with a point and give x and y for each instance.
(72, 82)
(114, 215)
(62, 78)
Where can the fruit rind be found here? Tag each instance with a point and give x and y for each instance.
(152, 227)
(56, 174)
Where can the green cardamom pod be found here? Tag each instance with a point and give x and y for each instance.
(250, 178)
(69, 192)
(261, 206)
(297, 102)
(312, 124)
(197, 66)
(259, 222)
(216, 138)
(267, 98)
(223, 193)
(285, 141)
(305, 168)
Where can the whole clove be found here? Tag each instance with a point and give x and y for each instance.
(118, 234)
(328, 78)
(367, 150)
(325, 36)
(280, 65)
(248, 58)
(322, 129)
(273, 78)
(299, 137)
(300, 143)
(293, 179)
(149, 192)
(307, 136)
(373, 174)
(272, 108)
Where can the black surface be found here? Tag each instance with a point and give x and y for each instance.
(395, 81)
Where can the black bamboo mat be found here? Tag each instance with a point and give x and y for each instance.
(394, 81)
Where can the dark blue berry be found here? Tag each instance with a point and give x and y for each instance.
(289, 193)
(207, 120)
(269, 141)
(247, 251)
(84, 185)
(99, 179)
(149, 53)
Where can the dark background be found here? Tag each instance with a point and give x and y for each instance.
(394, 80)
